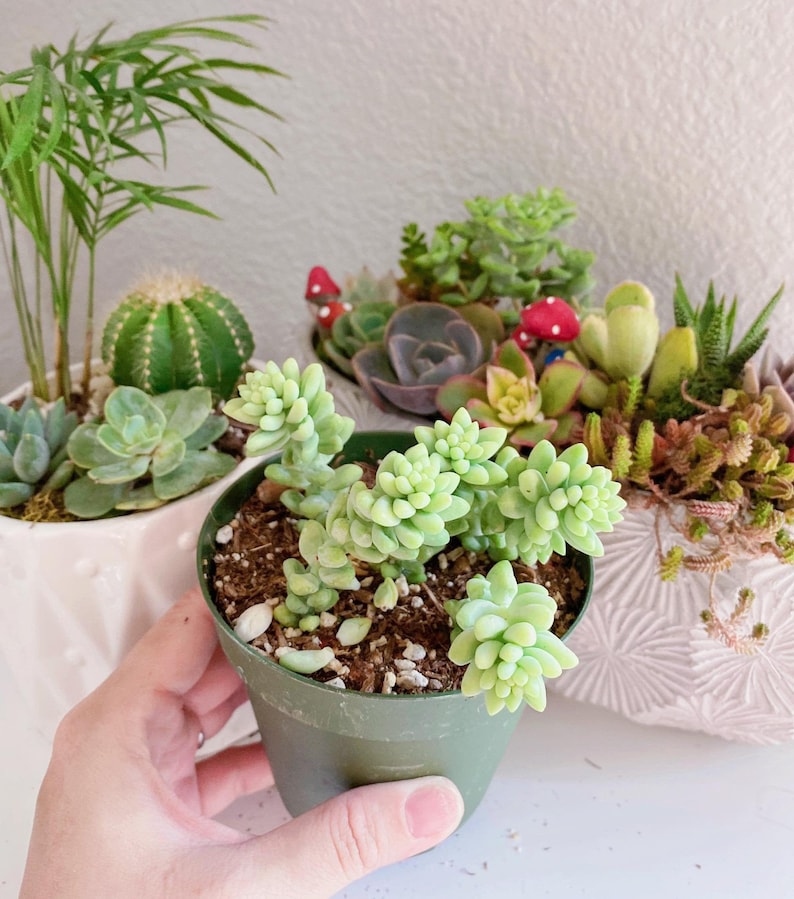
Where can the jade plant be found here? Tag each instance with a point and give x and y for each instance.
(507, 248)
(457, 484)
(174, 332)
(145, 452)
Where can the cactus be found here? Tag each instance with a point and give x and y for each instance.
(33, 457)
(174, 333)
(147, 451)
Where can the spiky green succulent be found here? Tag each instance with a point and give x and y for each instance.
(501, 631)
(33, 457)
(719, 366)
(146, 451)
(174, 332)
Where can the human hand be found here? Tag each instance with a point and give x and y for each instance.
(126, 811)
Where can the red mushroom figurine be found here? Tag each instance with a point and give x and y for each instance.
(548, 319)
(790, 454)
(326, 315)
(320, 287)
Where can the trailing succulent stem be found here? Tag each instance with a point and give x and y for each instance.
(457, 481)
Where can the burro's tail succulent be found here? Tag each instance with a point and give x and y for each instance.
(501, 631)
(457, 482)
(33, 457)
(147, 451)
(174, 332)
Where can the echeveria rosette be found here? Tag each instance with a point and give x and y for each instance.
(33, 456)
(501, 631)
(292, 411)
(424, 345)
(404, 515)
(363, 325)
(511, 397)
(147, 451)
(555, 500)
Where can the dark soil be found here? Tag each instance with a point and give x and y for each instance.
(406, 648)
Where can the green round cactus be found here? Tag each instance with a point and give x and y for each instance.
(174, 333)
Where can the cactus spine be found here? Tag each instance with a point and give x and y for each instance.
(175, 333)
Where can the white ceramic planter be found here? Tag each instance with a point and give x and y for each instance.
(77, 595)
(645, 651)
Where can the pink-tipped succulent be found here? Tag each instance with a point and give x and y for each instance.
(511, 397)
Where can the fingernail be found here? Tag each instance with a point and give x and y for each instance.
(433, 811)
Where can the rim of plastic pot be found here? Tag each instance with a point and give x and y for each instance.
(362, 445)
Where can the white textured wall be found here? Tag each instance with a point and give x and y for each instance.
(669, 122)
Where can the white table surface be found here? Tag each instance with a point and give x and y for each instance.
(585, 804)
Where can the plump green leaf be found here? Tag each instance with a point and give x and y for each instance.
(31, 458)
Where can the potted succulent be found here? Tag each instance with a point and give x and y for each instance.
(70, 124)
(699, 437)
(384, 595)
(701, 441)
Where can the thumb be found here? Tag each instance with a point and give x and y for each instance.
(354, 834)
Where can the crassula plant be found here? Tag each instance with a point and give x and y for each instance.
(457, 485)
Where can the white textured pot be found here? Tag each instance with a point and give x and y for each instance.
(77, 595)
(646, 653)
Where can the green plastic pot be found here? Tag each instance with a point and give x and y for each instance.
(321, 740)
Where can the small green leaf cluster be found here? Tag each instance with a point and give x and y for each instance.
(501, 631)
(145, 452)
(293, 412)
(33, 456)
(508, 247)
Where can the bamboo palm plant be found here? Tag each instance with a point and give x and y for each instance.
(73, 124)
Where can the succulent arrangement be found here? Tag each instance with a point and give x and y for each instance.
(174, 347)
(457, 485)
(461, 292)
